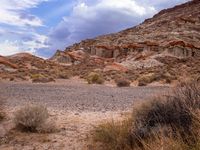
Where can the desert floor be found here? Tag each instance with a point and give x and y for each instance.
(74, 106)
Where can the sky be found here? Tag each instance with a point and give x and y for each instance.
(41, 27)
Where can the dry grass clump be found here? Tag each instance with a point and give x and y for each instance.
(63, 76)
(113, 135)
(152, 77)
(39, 78)
(123, 82)
(2, 113)
(170, 122)
(146, 79)
(31, 118)
(95, 78)
(36, 76)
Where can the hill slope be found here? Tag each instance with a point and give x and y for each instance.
(170, 28)
(166, 45)
(165, 48)
(24, 66)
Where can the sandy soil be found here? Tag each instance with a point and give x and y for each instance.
(75, 107)
(73, 131)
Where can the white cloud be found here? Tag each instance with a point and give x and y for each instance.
(161, 4)
(36, 41)
(13, 12)
(9, 48)
(89, 19)
(18, 32)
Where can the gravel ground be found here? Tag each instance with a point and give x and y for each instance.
(75, 96)
(75, 107)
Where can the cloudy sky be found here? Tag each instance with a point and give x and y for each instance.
(43, 26)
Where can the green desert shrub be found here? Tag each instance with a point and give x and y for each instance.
(31, 118)
(170, 122)
(123, 82)
(95, 78)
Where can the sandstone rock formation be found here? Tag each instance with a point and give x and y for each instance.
(172, 30)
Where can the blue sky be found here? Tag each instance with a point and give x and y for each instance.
(41, 27)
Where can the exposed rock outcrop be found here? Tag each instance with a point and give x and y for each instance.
(172, 30)
(172, 34)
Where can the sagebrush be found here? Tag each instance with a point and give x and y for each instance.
(31, 117)
(2, 113)
(95, 78)
(169, 122)
(123, 82)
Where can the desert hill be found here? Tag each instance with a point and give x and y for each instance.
(174, 30)
(24, 66)
(164, 48)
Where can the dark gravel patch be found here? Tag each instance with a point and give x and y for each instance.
(76, 96)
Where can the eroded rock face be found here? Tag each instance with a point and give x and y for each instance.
(61, 57)
(182, 49)
(170, 30)
(69, 57)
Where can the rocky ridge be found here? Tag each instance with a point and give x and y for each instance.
(24, 66)
(172, 34)
(171, 30)
(164, 48)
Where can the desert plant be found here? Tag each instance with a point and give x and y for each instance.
(123, 82)
(36, 76)
(114, 135)
(39, 78)
(31, 117)
(95, 78)
(146, 79)
(43, 80)
(168, 122)
(2, 113)
(63, 76)
(177, 111)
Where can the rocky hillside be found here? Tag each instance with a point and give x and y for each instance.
(24, 66)
(164, 49)
(169, 40)
(174, 30)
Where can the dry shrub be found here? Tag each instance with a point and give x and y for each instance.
(48, 127)
(36, 76)
(152, 77)
(31, 118)
(146, 79)
(123, 82)
(113, 135)
(43, 80)
(39, 78)
(63, 76)
(2, 113)
(170, 122)
(95, 78)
